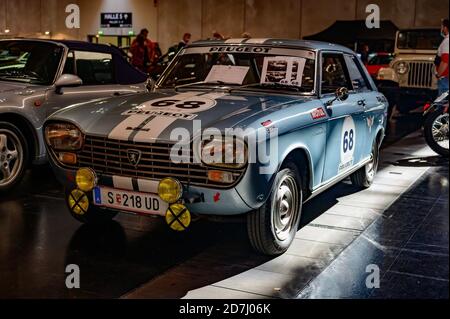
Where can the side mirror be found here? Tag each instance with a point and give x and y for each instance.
(341, 94)
(67, 80)
(150, 85)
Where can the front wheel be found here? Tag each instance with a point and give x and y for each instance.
(436, 132)
(272, 228)
(13, 156)
(365, 176)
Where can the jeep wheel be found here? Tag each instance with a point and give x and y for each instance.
(13, 156)
(272, 228)
(365, 176)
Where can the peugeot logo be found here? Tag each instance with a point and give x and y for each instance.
(134, 157)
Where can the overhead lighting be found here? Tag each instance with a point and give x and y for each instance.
(7, 31)
(100, 32)
(47, 32)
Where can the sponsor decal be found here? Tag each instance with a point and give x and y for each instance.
(266, 123)
(348, 144)
(318, 113)
(240, 49)
(216, 197)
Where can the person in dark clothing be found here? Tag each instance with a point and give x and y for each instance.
(140, 57)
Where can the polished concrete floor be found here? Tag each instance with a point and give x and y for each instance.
(400, 225)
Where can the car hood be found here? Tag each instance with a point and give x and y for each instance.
(9, 86)
(154, 116)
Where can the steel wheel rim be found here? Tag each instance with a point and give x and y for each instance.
(285, 207)
(11, 157)
(439, 130)
(372, 166)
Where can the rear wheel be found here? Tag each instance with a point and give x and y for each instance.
(13, 156)
(436, 132)
(272, 228)
(365, 176)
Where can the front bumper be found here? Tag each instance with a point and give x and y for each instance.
(201, 201)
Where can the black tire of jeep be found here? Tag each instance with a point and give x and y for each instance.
(364, 177)
(18, 141)
(428, 132)
(261, 227)
(94, 215)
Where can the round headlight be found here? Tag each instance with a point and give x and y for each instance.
(170, 190)
(63, 137)
(402, 68)
(86, 179)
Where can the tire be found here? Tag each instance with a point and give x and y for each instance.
(93, 215)
(364, 177)
(264, 225)
(437, 122)
(13, 156)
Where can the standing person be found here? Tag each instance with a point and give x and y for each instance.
(185, 41)
(365, 54)
(442, 60)
(151, 52)
(140, 56)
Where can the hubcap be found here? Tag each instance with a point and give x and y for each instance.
(285, 207)
(440, 130)
(372, 166)
(11, 157)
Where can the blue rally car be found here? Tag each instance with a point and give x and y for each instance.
(254, 127)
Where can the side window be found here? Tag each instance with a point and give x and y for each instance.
(69, 67)
(94, 68)
(359, 81)
(334, 73)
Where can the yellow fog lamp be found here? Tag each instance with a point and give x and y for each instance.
(78, 202)
(178, 217)
(86, 179)
(170, 190)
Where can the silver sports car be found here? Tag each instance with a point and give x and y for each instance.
(39, 77)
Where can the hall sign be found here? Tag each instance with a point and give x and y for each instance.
(116, 20)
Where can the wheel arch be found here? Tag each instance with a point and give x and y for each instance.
(302, 159)
(27, 129)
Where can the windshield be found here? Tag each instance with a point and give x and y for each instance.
(381, 59)
(244, 67)
(419, 39)
(29, 62)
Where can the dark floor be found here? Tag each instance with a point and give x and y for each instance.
(39, 238)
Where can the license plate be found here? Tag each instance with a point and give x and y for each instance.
(135, 202)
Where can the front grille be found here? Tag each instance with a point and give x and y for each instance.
(420, 74)
(110, 157)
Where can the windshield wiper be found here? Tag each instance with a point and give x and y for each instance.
(269, 86)
(202, 83)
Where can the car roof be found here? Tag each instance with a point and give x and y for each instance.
(73, 44)
(289, 43)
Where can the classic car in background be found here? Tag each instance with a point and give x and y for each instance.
(326, 116)
(378, 61)
(39, 77)
(410, 82)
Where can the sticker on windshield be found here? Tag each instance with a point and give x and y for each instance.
(283, 70)
(228, 74)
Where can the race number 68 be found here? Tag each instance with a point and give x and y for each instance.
(348, 141)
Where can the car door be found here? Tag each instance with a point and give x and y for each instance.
(346, 133)
(96, 70)
(373, 105)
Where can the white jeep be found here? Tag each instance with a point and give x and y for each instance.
(410, 81)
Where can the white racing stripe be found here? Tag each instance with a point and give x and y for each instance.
(125, 183)
(154, 128)
(237, 40)
(148, 186)
(122, 131)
